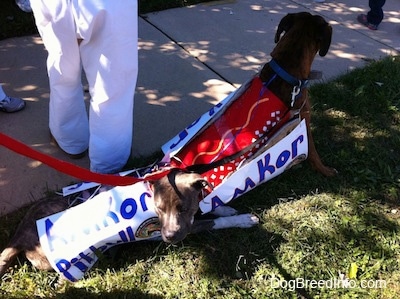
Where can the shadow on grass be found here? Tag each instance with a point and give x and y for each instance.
(356, 123)
(74, 293)
(357, 120)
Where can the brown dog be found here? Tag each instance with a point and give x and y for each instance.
(305, 36)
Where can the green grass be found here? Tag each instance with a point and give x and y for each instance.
(311, 227)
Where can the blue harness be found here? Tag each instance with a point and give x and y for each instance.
(297, 84)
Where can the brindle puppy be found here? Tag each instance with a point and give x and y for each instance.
(176, 199)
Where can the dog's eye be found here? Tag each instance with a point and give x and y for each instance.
(181, 209)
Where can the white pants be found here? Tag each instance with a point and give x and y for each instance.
(108, 54)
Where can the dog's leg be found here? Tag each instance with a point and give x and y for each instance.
(241, 221)
(313, 156)
(8, 255)
(38, 258)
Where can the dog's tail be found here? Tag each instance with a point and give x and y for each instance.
(7, 257)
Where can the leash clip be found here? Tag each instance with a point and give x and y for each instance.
(295, 92)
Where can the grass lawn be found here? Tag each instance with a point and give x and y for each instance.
(312, 229)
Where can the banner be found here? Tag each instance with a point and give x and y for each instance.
(247, 123)
(72, 238)
(264, 166)
(176, 143)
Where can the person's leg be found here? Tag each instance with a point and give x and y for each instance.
(109, 57)
(375, 15)
(68, 119)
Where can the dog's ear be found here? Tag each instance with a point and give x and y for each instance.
(284, 25)
(151, 185)
(325, 38)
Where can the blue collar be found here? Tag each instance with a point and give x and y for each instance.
(286, 76)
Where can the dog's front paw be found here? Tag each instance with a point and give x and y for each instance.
(317, 165)
(242, 221)
(328, 171)
(248, 220)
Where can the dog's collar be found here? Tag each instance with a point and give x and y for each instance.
(286, 76)
(297, 84)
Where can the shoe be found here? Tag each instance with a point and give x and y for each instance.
(72, 156)
(363, 19)
(9, 104)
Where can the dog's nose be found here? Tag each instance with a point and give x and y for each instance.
(169, 235)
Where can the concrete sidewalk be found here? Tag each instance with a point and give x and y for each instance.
(189, 59)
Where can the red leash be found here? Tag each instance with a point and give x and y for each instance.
(73, 170)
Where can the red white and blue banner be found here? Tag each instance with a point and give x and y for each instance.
(72, 238)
